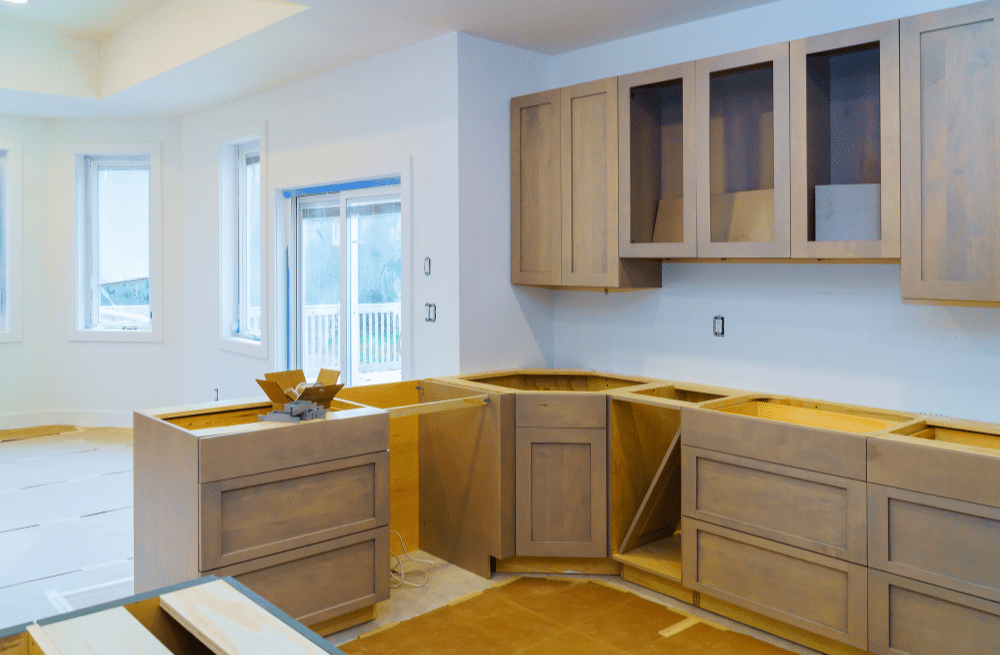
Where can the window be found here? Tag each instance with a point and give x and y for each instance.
(117, 242)
(243, 281)
(10, 240)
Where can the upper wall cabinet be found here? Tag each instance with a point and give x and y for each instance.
(564, 191)
(657, 141)
(844, 124)
(742, 154)
(950, 185)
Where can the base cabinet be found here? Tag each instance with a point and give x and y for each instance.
(906, 617)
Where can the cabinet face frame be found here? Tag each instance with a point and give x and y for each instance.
(546, 211)
(777, 55)
(685, 73)
(913, 287)
(585, 161)
(887, 36)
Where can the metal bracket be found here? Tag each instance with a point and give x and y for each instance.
(431, 310)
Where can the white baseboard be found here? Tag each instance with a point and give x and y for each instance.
(82, 418)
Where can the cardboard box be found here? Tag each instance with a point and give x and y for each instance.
(280, 387)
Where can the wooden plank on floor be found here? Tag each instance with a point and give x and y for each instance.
(111, 632)
(231, 624)
(16, 434)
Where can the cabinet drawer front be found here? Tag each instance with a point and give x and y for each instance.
(906, 617)
(815, 449)
(818, 512)
(321, 581)
(263, 514)
(944, 542)
(821, 594)
(561, 492)
(555, 410)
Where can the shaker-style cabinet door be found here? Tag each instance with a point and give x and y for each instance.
(535, 196)
(950, 178)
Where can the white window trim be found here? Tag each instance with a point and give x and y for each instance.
(10, 327)
(155, 333)
(229, 141)
(284, 220)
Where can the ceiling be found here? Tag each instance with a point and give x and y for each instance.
(172, 57)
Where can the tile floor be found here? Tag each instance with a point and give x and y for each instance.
(66, 539)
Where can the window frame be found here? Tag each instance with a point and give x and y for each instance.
(233, 150)
(84, 260)
(11, 198)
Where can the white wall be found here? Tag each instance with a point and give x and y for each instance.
(502, 325)
(369, 117)
(835, 332)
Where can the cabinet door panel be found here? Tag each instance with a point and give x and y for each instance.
(562, 492)
(818, 593)
(907, 617)
(535, 196)
(950, 139)
(821, 513)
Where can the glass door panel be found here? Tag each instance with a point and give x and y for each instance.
(318, 308)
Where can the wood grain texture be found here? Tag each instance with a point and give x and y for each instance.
(752, 161)
(566, 565)
(950, 137)
(439, 406)
(822, 594)
(560, 410)
(815, 449)
(561, 492)
(659, 514)
(535, 190)
(404, 449)
(656, 161)
(165, 628)
(660, 558)
(342, 434)
(321, 581)
(907, 617)
(344, 621)
(232, 624)
(17, 644)
(814, 511)
(166, 503)
(944, 542)
(641, 434)
(666, 585)
(258, 515)
(110, 632)
(466, 479)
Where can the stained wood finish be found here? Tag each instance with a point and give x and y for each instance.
(814, 511)
(950, 145)
(566, 565)
(907, 617)
(535, 192)
(816, 449)
(875, 144)
(659, 513)
(321, 581)
(966, 473)
(253, 516)
(944, 542)
(249, 630)
(111, 632)
(656, 163)
(165, 465)
(641, 434)
(562, 492)
(467, 479)
(342, 434)
(668, 586)
(824, 595)
(559, 410)
(16, 644)
(765, 235)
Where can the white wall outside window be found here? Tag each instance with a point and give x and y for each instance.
(115, 239)
(10, 240)
(244, 313)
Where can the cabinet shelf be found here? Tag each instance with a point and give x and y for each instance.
(660, 558)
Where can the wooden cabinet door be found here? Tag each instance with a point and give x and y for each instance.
(950, 149)
(535, 196)
(656, 163)
(562, 492)
(844, 124)
(742, 156)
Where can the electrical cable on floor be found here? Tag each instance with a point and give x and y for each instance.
(400, 575)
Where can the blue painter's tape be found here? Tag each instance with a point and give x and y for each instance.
(344, 186)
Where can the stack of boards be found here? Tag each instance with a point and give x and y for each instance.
(210, 615)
